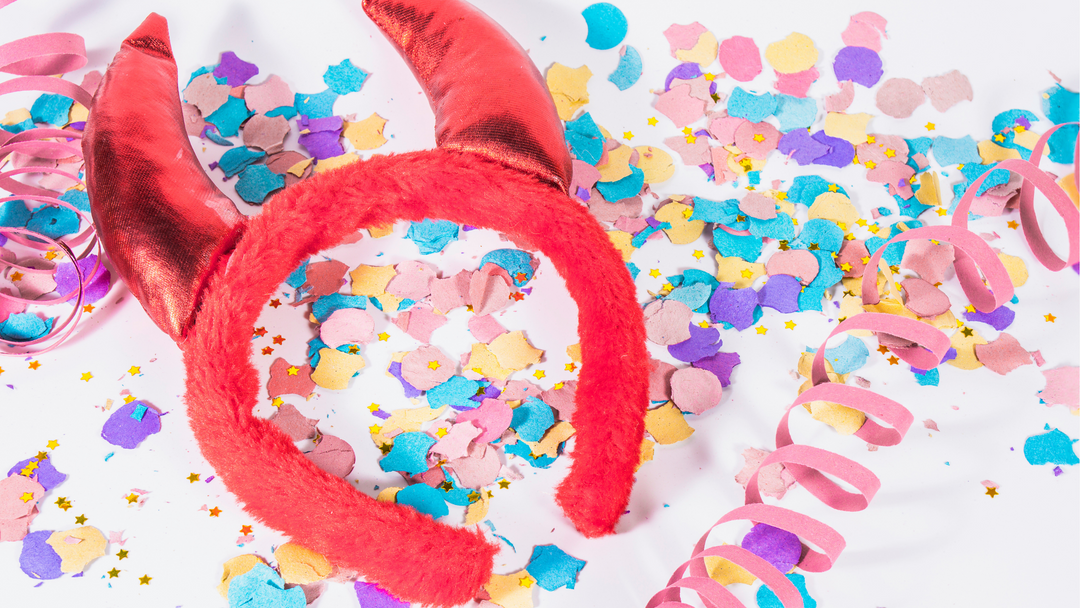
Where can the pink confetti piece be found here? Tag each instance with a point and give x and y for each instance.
(798, 263)
(839, 102)
(271, 94)
(485, 328)
(666, 322)
(493, 416)
(1002, 355)
(758, 206)
(412, 281)
(930, 424)
(948, 90)
(1062, 387)
(695, 390)
(683, 37)
(455, 443)
(333, 455)
(930, 261)
(562, 399)
(740, 58)
(923, 299)
(866, 30)
(420, 321)
(427, 367)
(489, 289)
(294, 424)
(479, 468)
(774, 480)
(284, 382)
(347, 326)
(680, 106)
(899, 97)
(796, 84)
(450, 293)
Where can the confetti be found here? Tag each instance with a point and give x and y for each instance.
(130, 424)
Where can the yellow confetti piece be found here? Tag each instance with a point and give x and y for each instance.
(1068, 184)
(300, 565)
(574, 352)
(366, 134)
(14, 117)
(621, 241)
(727, 572)
(851, 127)
(299, 168)
(730, 270)
(410, 419)
(667, 425)
(929, 192)
(618, 165)
(740, 164)
(327, 164)
(833, 206)
(549, 444)
(793, 54)
(77, 547)
(844, 419)
(656, 164)
(806, 362)
(964, 341)
(477, 511)
(513, 351)
(371, 281)
(992, 153)
(568, 88)
(388, 495)
(237, 566)
(508, 592)
(1026, 139)
(484, 360)
(648, 449)
(1016, 268)
(336, 368)
(682, 230)
(703, 53)
(78, 113)
(378, 232)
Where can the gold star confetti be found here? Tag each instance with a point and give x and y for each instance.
(63, 503)
(890, 152)
(1013, 224)
(761, 330)
(134, 370)
(627, 135)
(441, 431)
(121, 554)
(132, 498)
(114, 573)
(691, 139)
(833, 188)
(789, 324)
(53, 444)
(870, 164)
(758, 137)
(687, 131)
(991, 492)
(245, 530)
(652, 121)
(698, 254)
(41, 456)
(293, 370)
(193, 477)
(526, 581)
(278, 340)
(89, 308)
(999, 138)
(967, 331)
(434, 365)
(16, 276)
(374, 429)
(942, 212)
(27, 496)
(655, 272)
(50, 254)
(86, 377)
(374, 407)
(504, 484)
(383, 337)
(275, 303)
(559, 385)
(570, 367)
(1049, 318)
(540, 374)
(259, 331)
(34, 365)
(215, 512)
(81, 519)
(267, 350)
(144, 580)
(893, 360)
(930, 126)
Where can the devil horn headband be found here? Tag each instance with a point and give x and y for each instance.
(501, 164)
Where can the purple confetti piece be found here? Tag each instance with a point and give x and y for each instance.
(322, 144)
(410, 390)
(710, 171)
(316, 125)
(371, 595)
(720, 364)
(38, 559)
(1057, 471)
(998, 319)
(45, 473)
(779, 547)
(801, 147)
(124, 430)
(583, 194)
(859, 65)
(703, 342)
(381, 415)
(734, 306)
(840, 154)
(781, 292)
(236, 71)
(67, 280)
(684, 71)
(1020, 120)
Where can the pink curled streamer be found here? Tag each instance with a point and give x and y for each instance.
(974, 262)
(35, 60)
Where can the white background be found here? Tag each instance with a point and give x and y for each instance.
(930, 538)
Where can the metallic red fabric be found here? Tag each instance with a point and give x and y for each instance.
(164, 224)
(487, 95)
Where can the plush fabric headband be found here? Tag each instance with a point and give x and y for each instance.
(202, 272)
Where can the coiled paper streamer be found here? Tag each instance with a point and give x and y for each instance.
(807, 463)
(35, 60)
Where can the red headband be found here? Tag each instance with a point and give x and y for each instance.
(501, 165)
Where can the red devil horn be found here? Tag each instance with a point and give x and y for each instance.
(487, 95)
(162, 221)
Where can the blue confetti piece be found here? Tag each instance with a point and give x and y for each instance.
(781, 227)
(747, 247)
(930, 377)
(345, 78)
(754, 108)
(261, 587)
(409, 453)
(327, 305)
(911, 207)
(24, 326)
(315, 105)
(695, 295)
(523, 450)
(973, 171)
(230, 116)
(639, 239)
(19, 127)
(851, 355)
(950, 151)
(1010, 119)
(210, 132)
(1062, 105)
(424, 499)
(827, 276)
(455, 495)
(754, 177)
(824, 233)
(532, 419)
(717, 212)
(138, 412)
(51, 109)
(795, 112)
(892, 255)
(257, 182)
(14, 214)
(53, 222)
(623, 188)
(634, 270)
(298, 277)
(806, 188)
(1053, 447)
(607, 25)
(767, 599)
(289, 112)
(585, 139)
(553, 568)
(237, 159)
(629, 69)
(77, 198)
(432, 237)
(458, 390)
(514, 261)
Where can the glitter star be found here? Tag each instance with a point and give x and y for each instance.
(1049, 318)
(991, 492)
(539, 374)
(473, 496)
(134, 370)
(446, 486)
(833, 188)
(846, 267)
(293, 370)
(1013, 224)
(570, 367)
(259, 331)
(761, 330)
(81, 519)
(434, 365)
(16, 276)
(655, 272)
(882, 349)
(374, 429)
(441, 431)
(1, 370)
(113, 573)
(89, 308)
(652, 121)
(41, 456)
(267, 350)
(999, 138)
(121, 554)
(758, 137)
(890, 152)
(930, 126)
(385, 448)
(746, 273)
(215, 512)
(691, 139)
(34, 365)
(789, 324)
(374, 407)
(129, 399)
(942, 212)
(667, 287)
(132, 498)
(275, 303)
(278, 340)
(193, 477)
(86, 377)
(967, 331)
(559, 385)
(53, 444)
(383, 337)
(526, 581)
(27, 496)
(687, 131)
(144, 580)
(50, 255)
(504, 484)
(870, 164)
(893, 360)
(353, 349)
(627, 135)
(63, 503)
(517, 296)
(245, 530)
(698, 254)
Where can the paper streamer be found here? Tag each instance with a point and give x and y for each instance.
(887, 421)
(35, 60)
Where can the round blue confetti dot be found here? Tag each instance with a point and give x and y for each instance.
(607, 25)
